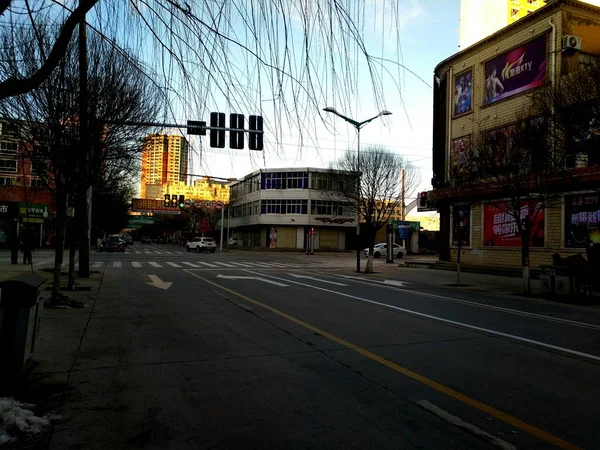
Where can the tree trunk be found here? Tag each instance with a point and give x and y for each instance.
(458, 263)
(369, 267)
(72, 249)
(84, 239)
(525, 261)
(59, 242)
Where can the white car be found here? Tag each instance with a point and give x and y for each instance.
(201, 244)
(381, 250)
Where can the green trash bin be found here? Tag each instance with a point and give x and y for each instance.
(21, 311)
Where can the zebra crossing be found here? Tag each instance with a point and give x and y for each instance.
(154, 252)
(200, 265)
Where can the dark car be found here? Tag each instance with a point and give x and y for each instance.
(112, 245)
(146, 240)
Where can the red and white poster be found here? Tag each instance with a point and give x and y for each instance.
(500, 227)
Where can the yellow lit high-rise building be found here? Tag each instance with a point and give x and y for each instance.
(164, 160)
(481, 18)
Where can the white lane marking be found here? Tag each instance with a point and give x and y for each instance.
(238, 264)
(168, 253)
(154, 264)
(395, 282)
(158, 253)
(224, 264)
(316, 279)
(234, 277)
(206, 264)
(172, 264)
(97, 263)
(254, 264)
(441, 319)
(147, 252)
(190, 264)
(481, 305)
(157, 282)
(278, 264)
(117, 264)
(458, 422)
(135, 264)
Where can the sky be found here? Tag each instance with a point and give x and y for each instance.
(429, 34)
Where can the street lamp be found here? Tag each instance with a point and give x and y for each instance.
(358, 126)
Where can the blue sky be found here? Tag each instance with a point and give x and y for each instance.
(429, 34)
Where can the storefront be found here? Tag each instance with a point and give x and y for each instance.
(9, 212)
(34, 222)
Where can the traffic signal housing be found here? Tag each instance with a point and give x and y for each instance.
(255, 135)
(236, 132)
(167, 203)
(173, 201)
(181, 201)
(217, 137)
(424, 199)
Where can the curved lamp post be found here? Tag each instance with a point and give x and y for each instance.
(358, 126)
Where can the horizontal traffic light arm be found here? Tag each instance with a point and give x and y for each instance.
(174, 125)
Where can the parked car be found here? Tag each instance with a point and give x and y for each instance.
(127, 238)
(146, 240)
(233, 242)
(200, 244)
(112, 244)
(381, 249)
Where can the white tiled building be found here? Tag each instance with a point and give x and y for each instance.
(279, 208)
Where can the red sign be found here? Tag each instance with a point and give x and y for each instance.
(204, 226)
(500, 228)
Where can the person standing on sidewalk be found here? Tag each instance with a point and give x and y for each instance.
(14, 248)
(27, 249)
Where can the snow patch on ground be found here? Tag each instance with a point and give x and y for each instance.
(18, 419)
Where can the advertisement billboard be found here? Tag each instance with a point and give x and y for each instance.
(500, 228)
(582, 220)
(459, 155)
(272, 238)
(463, 93)
(516, 71)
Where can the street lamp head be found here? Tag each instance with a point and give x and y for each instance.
(385, 112)
(330, 109)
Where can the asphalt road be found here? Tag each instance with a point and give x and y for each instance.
(247, 350)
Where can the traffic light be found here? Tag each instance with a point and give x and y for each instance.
(217, 137)
(236, 138)
(196, 127)
(255, 136)
(389, 228)
(312, 231)
(424, 200)
(173, 201)
(167, 201)
(181, 201)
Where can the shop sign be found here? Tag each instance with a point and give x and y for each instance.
(582, 220)
(500, 227)
(33, 210)
(8, 209)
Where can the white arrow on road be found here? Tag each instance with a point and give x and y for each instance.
(316, 279)
(366, 280)
(233, 277)
(157, 282)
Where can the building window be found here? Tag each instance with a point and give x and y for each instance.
(284, 207)
(36, 183)
(327, 208)
(10, 148)
(40, 168)
(9, 129)
(7, 181)
(514, 12)
(8, 166)
(533, 2)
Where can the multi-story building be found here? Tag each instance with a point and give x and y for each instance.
(202, 189)
(26, 204)
(280, 208)
(482, 18)
(468, 105)
(164, 160)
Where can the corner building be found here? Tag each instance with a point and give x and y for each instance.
(466, 104)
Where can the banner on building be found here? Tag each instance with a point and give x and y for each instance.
(582, 220)
(516, 71)
(500, 227)
(459, 155)
(272, 237)
(463, 93)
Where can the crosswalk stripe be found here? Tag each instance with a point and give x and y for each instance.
(97, 263)
(238, 264)
(172, 264)
(224, 264)
(158, 253)
(257, 264)
(154, 264)
(206, 264)
(117, 264)
(136, 264)
(190, 264)
(169, 253)
(277, 264)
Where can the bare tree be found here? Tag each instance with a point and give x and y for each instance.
(380, 190)
(49, 115)
(512, 169)
(234, 53)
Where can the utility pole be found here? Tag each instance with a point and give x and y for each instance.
(84, 188)
(403, 205)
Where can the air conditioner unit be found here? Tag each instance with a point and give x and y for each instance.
(571, 43)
